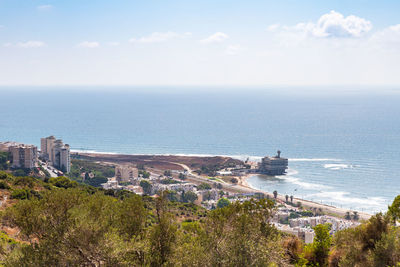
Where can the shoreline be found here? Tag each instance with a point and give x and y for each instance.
(180, 160)
(306, 203)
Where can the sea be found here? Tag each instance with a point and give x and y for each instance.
(343, 144)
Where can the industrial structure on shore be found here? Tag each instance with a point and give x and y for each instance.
(273, 165)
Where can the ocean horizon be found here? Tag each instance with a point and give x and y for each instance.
(342, 148)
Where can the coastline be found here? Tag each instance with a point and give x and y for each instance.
(180, 162)
(307, 203)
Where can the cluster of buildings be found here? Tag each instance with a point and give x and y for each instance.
(26, 156)
(56, 153)
(303, 227)
(337, 224)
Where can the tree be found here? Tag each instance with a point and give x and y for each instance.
(347, 216)
(240, 235)
(207, 196)
(394, 209)
(317, 253)
(234, 181)
(190, 196)
(167, 173)
(87, 177)
(182, 176)
(146, 187)
(275, 194)
(204, 186)
(291, 198)
(163, 234)
(63, 182)
(4, 164)
(356, 216)
(223, 202)
(219, 186)
(287, 198)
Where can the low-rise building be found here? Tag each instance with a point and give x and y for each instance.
(126, 173)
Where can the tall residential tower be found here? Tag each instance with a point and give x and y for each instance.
(56, 152)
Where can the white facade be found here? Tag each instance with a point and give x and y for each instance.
(56, 152)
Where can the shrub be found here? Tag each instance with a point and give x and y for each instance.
(3, 175)
(204, 186)
(4, 185)
(25, 181)
(63, 182)
(20, 194)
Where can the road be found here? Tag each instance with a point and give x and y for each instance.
(199, 179)
(47, 168)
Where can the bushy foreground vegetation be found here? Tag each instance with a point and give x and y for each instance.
(63, 223)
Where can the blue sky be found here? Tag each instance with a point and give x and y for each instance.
(205, 42)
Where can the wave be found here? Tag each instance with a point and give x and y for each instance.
(337, 166)
(345, 198)
(313, 159)
(305, 185)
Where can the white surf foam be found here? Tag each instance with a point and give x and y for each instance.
(305, 185)
(346, 199)
(313, 159)
(337, 166)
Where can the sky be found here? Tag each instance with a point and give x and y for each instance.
(199, 43)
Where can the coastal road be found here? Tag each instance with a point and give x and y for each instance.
(229, 187)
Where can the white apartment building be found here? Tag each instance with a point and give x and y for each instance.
(56, 152)
(23, 156)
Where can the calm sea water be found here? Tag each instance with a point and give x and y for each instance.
(343, 148)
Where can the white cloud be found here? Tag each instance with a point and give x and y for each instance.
(44, 7)
(113, 43)
(7, 44)
(233, 49)
(334, 24)
(31, 44)
(273, 27)
(217, 37)
(388, 37)
(87, 44)
(158, 37)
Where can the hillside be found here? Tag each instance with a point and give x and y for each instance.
(58, 222)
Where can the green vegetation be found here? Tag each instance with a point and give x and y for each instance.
(147, 187)
(144, 174)
(63, 223)
(204, 186)
(223, 202)
(169, 181)
(100, 171)
(4, 160)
